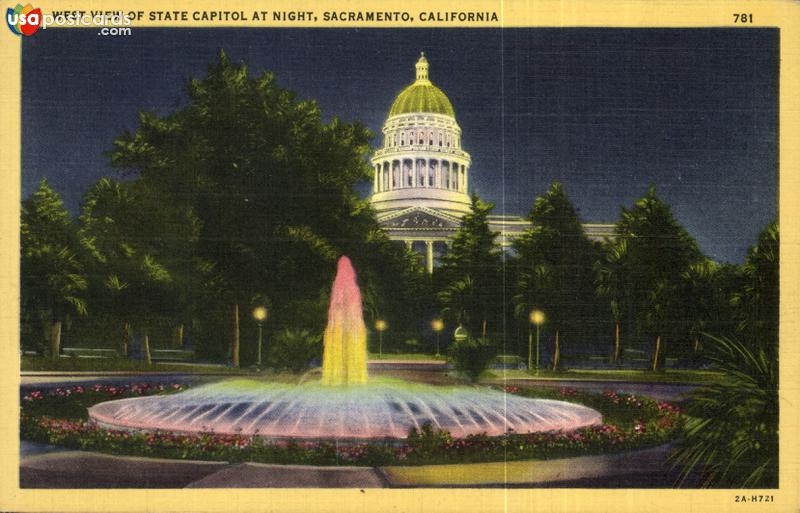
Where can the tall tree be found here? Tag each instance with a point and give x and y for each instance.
(474, 257)
(757, 302)
(658, 251)
(271, 189)
(138, 253)
(556, 247)
(53, 278)
(699, 302)
(610, 280)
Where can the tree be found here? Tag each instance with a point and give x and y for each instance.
(611, 285)
(554, 266)
(458, 299)
(53, 278)
(757, 302)
(699, 300)
(730, 436)
(474, 258)
(658, 251)
(136, 256)
(270, 189)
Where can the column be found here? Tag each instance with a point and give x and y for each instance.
(408, 244)
(429, 256)
(375, 186)
(466, 180)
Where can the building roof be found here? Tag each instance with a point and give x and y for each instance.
(422, 96)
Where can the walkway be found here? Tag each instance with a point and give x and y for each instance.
(48, 467)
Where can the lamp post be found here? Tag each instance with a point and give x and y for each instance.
(380, 325)
(260, 315)
(437, 325)
(537, 318)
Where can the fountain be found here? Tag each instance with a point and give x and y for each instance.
(342, 405)
(344, 359)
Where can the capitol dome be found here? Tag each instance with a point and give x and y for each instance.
(422, 96)
(421, 163)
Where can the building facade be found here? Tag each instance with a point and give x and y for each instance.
(421, 174)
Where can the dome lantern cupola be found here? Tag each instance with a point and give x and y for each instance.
(422, 69)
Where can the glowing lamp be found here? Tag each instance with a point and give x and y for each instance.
(537, 317)
(260, 313)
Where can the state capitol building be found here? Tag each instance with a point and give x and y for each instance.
(421, 174)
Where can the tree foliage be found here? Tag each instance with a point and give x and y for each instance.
(554, 268)
(53, 276)
(757, 302)
(658, 250)
(243, 196)
(471, 288)
(730, 437)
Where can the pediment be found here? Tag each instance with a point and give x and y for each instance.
(419, 217)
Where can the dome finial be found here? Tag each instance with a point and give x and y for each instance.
(422, 68)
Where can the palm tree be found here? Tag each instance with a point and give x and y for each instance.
(757, 302)
(458, 299)
(698, 298)
(661, 301)
(730, 435)
(610, 282)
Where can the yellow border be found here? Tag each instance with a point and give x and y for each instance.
(542, 13)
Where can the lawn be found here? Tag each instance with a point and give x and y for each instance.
(628, 375)
(39, 363)
(406, 356)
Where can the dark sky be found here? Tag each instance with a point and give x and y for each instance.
(604, 111)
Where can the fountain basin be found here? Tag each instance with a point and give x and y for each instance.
(383, 409)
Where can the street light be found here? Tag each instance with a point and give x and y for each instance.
(437, 325)
(380, 325)
(260, 315)
(537, 318)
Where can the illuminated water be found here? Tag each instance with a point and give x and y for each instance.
(344, 359)
(342, 405)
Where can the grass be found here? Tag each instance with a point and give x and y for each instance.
(406, 356)
(667, 376)
(39, 363)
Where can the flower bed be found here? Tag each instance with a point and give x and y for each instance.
(59, 417)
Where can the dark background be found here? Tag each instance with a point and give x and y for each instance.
(605, 111)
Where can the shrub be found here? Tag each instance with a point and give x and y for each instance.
(472, 356)
(292, 349)
(730, 436)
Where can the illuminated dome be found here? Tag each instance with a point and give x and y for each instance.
(421, 163)
(422, 96)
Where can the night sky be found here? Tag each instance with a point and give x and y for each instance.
(605, 111)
